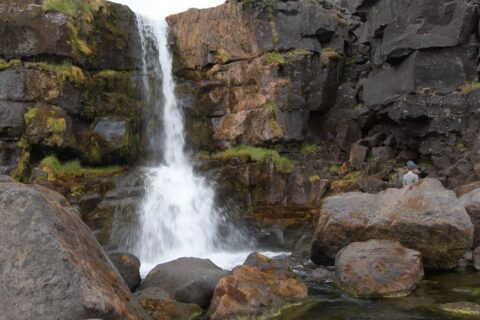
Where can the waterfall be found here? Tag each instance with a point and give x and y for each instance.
(178, 215)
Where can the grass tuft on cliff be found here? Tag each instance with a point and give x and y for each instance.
(72, 169)
(256, 154)
(328, 55)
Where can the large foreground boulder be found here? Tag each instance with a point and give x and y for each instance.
(425, 217)
(378, 269)
(252, 292)
(189, 280)
(52, 266)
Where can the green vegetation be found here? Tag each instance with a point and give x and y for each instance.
(327, 55)
(21, 170)
(275, 58)
(267, 6)
(65, 71)
(272, 105)
(310, 148)
(469, 87)
(314, 179)
(72, 169)
(71, 8)
(256, 154)
(335, 168)
(12, 63)
(354, 176)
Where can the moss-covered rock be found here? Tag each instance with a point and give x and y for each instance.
(47, 126)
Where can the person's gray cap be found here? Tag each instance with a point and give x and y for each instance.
(411, 165)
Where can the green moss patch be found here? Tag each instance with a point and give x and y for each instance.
(72, 169)
(256, 154)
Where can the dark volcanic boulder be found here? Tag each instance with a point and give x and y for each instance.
(471, 202)
(476, 259)
(378, 268)
(425, 217)
(129, 267)
(52, 265)
(250, 292)
(189, 280)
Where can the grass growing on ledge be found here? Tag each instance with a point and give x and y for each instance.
(469, 87)
(12, 63)
(282, 58)
(72, 169)
(65, 71)
(256, 154)
(71, 8)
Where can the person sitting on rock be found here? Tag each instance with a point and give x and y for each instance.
(411, 177)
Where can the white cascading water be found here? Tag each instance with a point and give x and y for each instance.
(178, 214)
(178, 217)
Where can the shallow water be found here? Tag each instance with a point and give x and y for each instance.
(329, 303)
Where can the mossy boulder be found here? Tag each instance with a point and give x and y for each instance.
(47, 126)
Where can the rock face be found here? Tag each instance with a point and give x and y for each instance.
(56, 269)
(476, 259)
(378, 269)
(471, 202)
(188, 280)
(425, 217)
(249, 292)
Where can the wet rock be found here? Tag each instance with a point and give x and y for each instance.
(129, 267)
(62, 270)
(160, 306)
(113, 135)
(321, 275)
(467, 309)
(249, 292)
(423, 217)
(189, 280)
(471, 202)
(378, 269)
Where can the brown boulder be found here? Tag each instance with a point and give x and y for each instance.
(52, 265)
(249, 292)
(378, 269)
(129, 267)
(425, 217)
(160, 306)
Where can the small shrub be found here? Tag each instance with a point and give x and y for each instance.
(469, 87)
(275, 58)
(278, 58)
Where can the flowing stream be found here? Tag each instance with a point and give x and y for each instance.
(178, 214)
